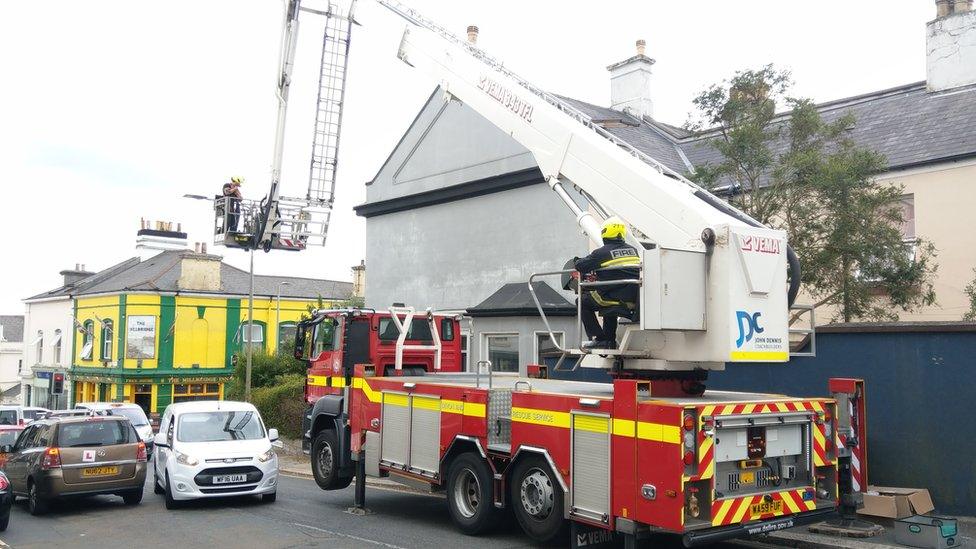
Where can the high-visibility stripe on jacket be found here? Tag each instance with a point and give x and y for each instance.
(613, 253)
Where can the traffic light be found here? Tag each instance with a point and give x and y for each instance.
(57, 385)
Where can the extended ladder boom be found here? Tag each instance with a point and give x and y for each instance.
(713, 278)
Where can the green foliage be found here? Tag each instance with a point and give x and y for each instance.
(356, 301)
(282, 404)
(265, 369)
(970, 316)
(797, 172)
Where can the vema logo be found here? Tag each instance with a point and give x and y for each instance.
(748, 326)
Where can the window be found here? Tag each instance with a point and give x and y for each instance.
(38, 344)
(94, 433)
(907, 205)
(326, 337)
(57, 346)
(107, 331)
(503, 352)
(8, 417)
(544, 346)
(465, 364)
(419, 330)
(219, 426)
(184, 392)
(254, 335)
(447, 329)
(286, 336)
(87, 339)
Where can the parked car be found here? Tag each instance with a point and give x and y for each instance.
(76, 456)
(134, 412)
(20, 415)
(214, 448)
(6, 500)
(8, 436)
(70, 413)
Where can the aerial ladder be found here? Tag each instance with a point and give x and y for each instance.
(283, 222)
(648, 453)
(714, 284)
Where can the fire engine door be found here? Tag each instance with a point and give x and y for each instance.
(355, 346)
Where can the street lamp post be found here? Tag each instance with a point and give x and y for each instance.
(250, 334)
(278, 313)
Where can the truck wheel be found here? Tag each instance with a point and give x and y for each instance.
(325, 462)
(537, 499)
(469, 494)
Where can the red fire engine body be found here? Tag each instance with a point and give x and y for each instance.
(635, 457)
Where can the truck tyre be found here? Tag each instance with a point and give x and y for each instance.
(537, 499)
(325, 462)
(469, 494)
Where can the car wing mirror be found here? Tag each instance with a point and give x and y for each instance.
(6, 448)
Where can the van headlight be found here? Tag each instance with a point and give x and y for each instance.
(267, 456)
(184, 459)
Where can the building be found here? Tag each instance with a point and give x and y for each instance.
(459, 209)
(165, 327)
(11, 357)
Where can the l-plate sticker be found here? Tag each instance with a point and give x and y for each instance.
(88, 456)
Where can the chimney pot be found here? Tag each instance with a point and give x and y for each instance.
(943, 7)
(203, 247)
(962, 6)
(472, 35)
(641, 45)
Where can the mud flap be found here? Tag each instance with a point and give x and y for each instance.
(591, 537)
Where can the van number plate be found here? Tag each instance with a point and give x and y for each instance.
(766, 508)
(229, 479)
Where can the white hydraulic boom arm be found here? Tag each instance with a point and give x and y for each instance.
(714, 280)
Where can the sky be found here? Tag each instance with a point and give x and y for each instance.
(111, 110)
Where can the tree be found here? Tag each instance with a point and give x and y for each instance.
(970, 315)
(803, 174)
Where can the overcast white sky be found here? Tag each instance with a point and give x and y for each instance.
(112, 110)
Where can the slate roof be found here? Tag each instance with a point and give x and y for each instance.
(13, 327)
(162, 272)
(908, 124)
(514, 299)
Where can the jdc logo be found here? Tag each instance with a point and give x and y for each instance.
(748, 326)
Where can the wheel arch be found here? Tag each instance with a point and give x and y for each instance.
(524, 451)
(460, 445)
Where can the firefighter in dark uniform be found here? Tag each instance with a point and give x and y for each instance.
(610, 301)
(231, 192)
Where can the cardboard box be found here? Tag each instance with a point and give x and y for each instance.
(896, 503)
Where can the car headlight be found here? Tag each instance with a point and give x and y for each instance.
(184, 459)
(267, 456)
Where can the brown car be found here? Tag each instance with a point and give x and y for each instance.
(75, 456)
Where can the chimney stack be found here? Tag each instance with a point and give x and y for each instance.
(73, 276)
(950, 46)
(630, 84)
(473, 35)
(153, 238)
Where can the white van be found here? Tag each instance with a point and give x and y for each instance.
(211, 448)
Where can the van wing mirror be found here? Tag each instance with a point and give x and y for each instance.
(6, 448)
(273, 434)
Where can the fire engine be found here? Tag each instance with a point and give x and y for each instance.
(651, 452)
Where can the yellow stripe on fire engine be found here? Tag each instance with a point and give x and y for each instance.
(625, 428)
(762, 356)
(591, 423)
(722, 511)
(790, 503)
(371, 395)
(741, 511)
(317, 381)
(709, 469)
(427, 403)
(338, 381)
(658, 432)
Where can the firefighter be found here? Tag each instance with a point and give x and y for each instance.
(232, 201)
(610, 301)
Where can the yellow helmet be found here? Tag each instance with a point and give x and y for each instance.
(613, 229)
(237, 180)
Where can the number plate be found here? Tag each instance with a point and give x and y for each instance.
(229, 479)
(747, 477)
(765, 508)
(99, 471)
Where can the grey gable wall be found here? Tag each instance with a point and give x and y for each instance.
(455, 254)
